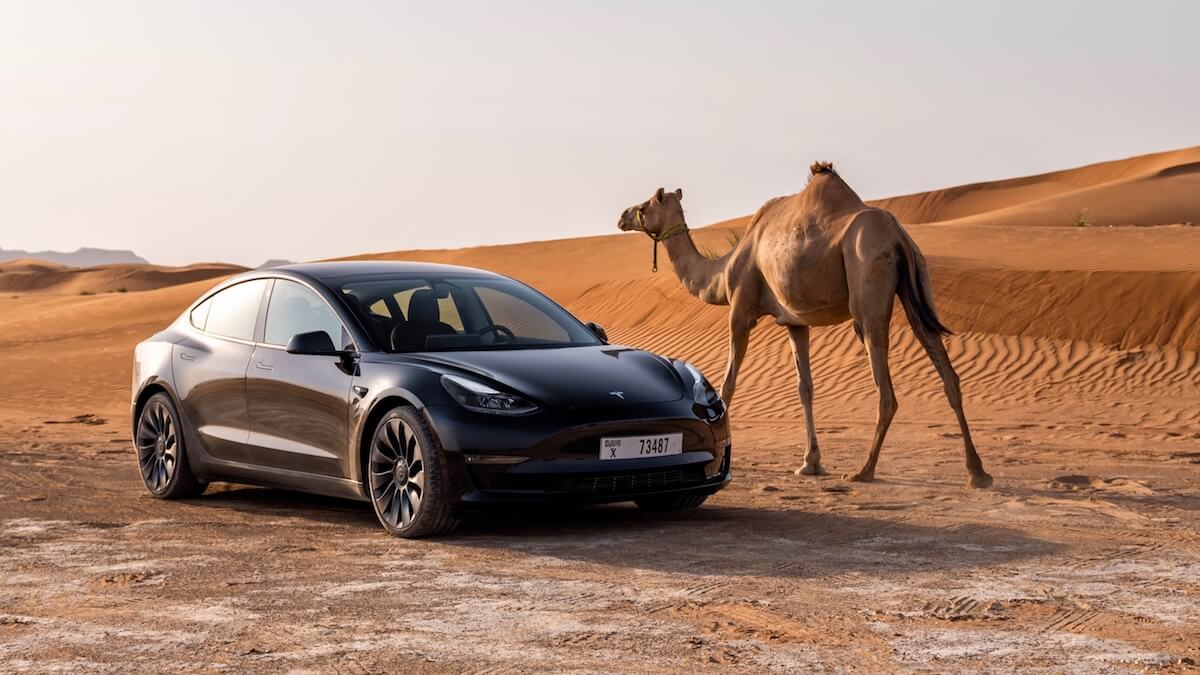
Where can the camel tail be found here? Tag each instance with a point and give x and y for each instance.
(916, 293)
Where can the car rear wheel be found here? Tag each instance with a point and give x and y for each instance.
(162, 456)
(670, 503)
(406, 477)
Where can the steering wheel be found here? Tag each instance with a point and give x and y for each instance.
(499, 331)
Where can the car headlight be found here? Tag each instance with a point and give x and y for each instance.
(477, 396)
(703, 393)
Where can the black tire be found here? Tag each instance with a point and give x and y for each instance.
(410, 502)
(162, 452)
(669, 503)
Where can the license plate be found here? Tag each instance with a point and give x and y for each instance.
(636, 447)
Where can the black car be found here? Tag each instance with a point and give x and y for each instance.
(424, 389)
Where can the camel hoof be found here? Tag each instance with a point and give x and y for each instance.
(979, 481)
(810, 470)
(859, 477)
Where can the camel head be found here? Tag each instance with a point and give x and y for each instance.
(661, 216)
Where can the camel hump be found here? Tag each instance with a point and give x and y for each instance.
(822, 167)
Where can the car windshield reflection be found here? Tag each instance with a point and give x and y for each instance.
(414, 314)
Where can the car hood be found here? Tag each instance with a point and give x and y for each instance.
(604, 375)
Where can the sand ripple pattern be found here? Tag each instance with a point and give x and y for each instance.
(996, 369)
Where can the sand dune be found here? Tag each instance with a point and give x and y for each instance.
(38, 276)
(1156, 189)
(1087, 339)
(1075, 313)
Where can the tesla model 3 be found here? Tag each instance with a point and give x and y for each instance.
(426, 390)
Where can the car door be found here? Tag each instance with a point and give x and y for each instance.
(299, 404)
(210, 368)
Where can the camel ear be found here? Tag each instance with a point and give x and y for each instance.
(658, 196)
(679, 194)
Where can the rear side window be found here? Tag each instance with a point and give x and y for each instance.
(200, 314)
(234, 311)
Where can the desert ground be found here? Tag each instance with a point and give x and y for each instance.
(1075, 297)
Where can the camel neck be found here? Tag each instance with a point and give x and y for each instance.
(703, 277)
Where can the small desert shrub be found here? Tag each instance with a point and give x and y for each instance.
(122, 289)
(1083, 218)
(87, 292)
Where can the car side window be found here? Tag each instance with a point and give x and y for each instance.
(295, 309)
(233, 312)
(404, 297)
(448, 311)
(199, 314)
(380, 308)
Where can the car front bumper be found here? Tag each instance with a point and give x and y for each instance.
(557, 458)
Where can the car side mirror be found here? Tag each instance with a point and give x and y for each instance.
(598, 330)
(315, 343)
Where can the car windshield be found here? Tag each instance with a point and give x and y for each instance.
(413, 314)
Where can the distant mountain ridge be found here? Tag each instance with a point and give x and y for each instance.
(82, 257)
(274, 262)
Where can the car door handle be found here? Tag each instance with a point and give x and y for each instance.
(263, 365)
(187, 356)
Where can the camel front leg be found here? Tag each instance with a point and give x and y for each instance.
(812, 457)
(740, 322)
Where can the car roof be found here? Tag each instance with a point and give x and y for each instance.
(335, 273)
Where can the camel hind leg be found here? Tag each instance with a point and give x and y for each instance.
(936, 349)
(916, 296)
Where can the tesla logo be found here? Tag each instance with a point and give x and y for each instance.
(618, 394)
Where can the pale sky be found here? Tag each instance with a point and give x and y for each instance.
(244, 130)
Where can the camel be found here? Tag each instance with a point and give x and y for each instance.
(816, 258)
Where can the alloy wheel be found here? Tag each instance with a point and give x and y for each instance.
(397, 474)
(157, 446)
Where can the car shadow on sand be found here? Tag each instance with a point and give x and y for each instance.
(714, 539)
(734, 540)
(285, 503)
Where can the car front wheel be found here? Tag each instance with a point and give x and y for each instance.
(406, 478)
